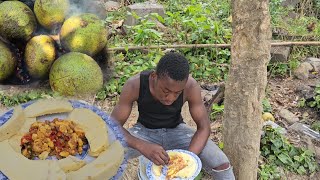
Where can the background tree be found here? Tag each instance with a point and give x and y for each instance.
(245, 87)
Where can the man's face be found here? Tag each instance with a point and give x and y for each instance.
(168, 90)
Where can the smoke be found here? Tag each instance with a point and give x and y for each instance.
(76, 7)
(87, 6)
(79, 6)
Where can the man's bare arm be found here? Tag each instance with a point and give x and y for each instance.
(200, 117)
(121, 112)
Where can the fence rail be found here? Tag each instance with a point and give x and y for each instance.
(179, 46)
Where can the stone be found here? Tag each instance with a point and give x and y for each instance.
(302, 72)
(308, 141)
(4, 87)
(208, 95)
(112, 5)
(317, 152)
(274, 126)
(293, 15)
(315, 62)
(288, 116)
(305, 91)
(304, 129)
(279, 53)
(316, 175)
(291, 3)
(118, 1)
(142, 9)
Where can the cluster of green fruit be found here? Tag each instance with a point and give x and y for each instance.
(82, 36)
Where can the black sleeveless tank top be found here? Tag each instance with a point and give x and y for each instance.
(153, 114)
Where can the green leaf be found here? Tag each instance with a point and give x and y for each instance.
(301, 170)
(221, 145)
(285, 158)
(199, 177)
(312, 103)
(277, 143)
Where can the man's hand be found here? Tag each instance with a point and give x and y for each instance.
(154, 153)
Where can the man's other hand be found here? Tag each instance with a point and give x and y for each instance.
(154, 153)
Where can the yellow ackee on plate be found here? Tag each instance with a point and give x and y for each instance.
(181, 165)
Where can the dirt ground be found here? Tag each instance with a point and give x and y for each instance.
(282, 93)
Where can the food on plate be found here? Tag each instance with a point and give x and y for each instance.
(15, 166)
(71, 163)
(26, 143)
(181, 165)
(48, 106)
(94, 127)
(11, 127)
(59, 138)
(15, 140)
(26, 125)
(104, 167)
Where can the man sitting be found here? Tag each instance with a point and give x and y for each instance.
(160, 95)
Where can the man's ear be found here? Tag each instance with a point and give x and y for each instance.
(153, 75)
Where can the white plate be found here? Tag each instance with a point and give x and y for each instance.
(152, 176)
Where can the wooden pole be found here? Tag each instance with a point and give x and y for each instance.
(179, 46)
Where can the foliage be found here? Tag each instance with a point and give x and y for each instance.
(205, 21)
(277, 151)
(277, 12)
(189, 22)
(268, 171)
(283, 69)
(316, 126)
(145, 33)
(293, 24)
(216, 109)
(266, 105)
(315, 103)
(202, 22)
(125, 66)
(199, 177)
(302, 102)
(16, 99)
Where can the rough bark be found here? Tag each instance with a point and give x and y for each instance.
(245, 87)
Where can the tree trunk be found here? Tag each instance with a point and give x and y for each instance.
(245, 87)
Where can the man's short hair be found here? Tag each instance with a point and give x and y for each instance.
(173, 65)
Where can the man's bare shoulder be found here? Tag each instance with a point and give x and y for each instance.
(191, 83)
(134, 82)
(131, 88)
(192, 89)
